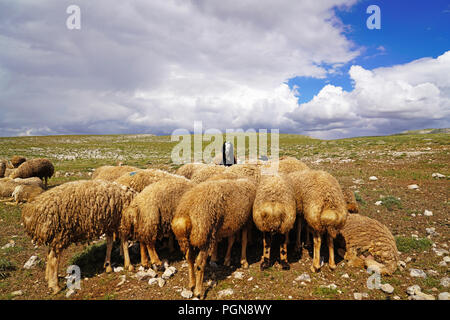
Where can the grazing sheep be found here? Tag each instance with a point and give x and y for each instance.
(75, 212)
(274, 211)
(16, 161)
(350, 199)
(111, 173)
(7, 185)
(26, 193)
(138, 180)
(41, 168)
(2, 168)
(208, 212)
(207, 172)
(368, 243)
(188, 169)
(149, 217)
(319, 197)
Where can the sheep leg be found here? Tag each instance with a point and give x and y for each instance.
(200, 263)
(109, 245)
(126, 256)
(154, 259)
(331, 262)
(227, 261)
(308, 236)
(52, 261)
(214, 259)
(267, 241)
(7, 199)
(316, 258)
(144, 258)
(244, 240)
(171, 243)
(191, 269)
(283, 252)
(298, 245)
(47, 269)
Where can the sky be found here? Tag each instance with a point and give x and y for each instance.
(300, 66)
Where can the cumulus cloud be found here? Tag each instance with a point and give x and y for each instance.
(153, 66)
(384, 100)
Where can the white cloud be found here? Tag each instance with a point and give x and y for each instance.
(384, 100)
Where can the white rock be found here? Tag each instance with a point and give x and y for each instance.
(17, 293)
(437, 175)
(345, 276)
(422, 296)
(431, 231)
(153, 281)
(332, 286)
(31, 263)
(303, 277)
(386, 287)
(143, 275)
(250, 279)
(440, 252)
(69, 293)
(446, 259)
(379, 203)
(169, 272)
(445, 282)
(417, 273)
(118, 269)
(442, 264)
(10, 244)
(187, 294)
(373, 178)
(413, 187)
(239, 275)
(412, 290)
(141, 268)
(161, 282)
(432, 273)
(225, 292)
(444, 296)
(122, 280)
(427, 213)
(396, 298)
(357, 296)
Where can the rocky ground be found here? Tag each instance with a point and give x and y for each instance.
(402, 181)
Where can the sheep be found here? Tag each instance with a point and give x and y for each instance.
(188, 169)
(350, 199)
(41, 168)
(207, 172)
(138, 180)
(286, 165)
(75, 212)
(111, 173)
(319, 197)
(369, 243)
(7, 185)
(2, 169)
(149, 217)
(246, 170)
(16, 161)
(206, 213)
(26, 193)
(274, 211)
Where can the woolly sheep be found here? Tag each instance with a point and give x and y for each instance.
(2, 169)
(285, 165)
(188, 169)
(7, 185)
(16, 161)
(75, 212)
(41, 168)
(149, 217)
(138, 180)
(26, 193)
(319, 197)
(207, 172)
(274, 211)
(368, 243)
(111, 173)
(206, 213)
(350, 199)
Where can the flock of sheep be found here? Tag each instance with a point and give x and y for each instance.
(200, 205)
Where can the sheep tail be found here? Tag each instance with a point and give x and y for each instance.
(329, 220)
(181, 227)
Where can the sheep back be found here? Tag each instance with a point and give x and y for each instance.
(188, 169)
(26, 193)
(111, 173)
(41, 168)
(138, 180)
(212, 210)
(274, 209)
(364, 235)
(16, 161)
(207, 172)
(75, 212)
(151, 212)
(7, 185)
